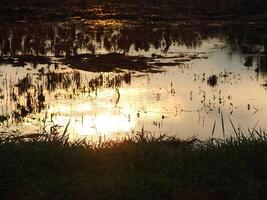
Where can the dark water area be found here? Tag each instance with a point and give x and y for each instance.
(113, 71)
(132, 10)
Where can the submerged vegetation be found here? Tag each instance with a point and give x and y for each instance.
(141, 166)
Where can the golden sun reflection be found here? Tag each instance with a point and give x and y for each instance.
(89, 119)
(105, 23)
(104, 124)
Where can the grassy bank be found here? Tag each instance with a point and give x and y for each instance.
(139, 167)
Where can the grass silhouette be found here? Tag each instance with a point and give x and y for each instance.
(141, 166)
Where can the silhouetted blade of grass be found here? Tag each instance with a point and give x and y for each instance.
(222, 125)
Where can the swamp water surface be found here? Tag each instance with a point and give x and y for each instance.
(113, 77)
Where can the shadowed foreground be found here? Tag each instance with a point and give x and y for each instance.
(139, 167)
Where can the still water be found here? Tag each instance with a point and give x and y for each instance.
(116, 77)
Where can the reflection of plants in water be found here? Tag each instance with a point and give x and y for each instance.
(69, 39)
(213, 99)
(212, 80)
(30, 94)
(109, 81)
(226, 77)
(56, 80)
(23, 85)
(27, 97)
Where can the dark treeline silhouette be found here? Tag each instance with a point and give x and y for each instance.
(72, 39)
(68, 39)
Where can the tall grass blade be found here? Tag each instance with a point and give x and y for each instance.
(232, 124)
(65, 130)
(223, 125)
(213, 129)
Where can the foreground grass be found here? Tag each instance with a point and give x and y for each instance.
(139, 167)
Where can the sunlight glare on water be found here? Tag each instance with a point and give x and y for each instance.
(112, 77)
